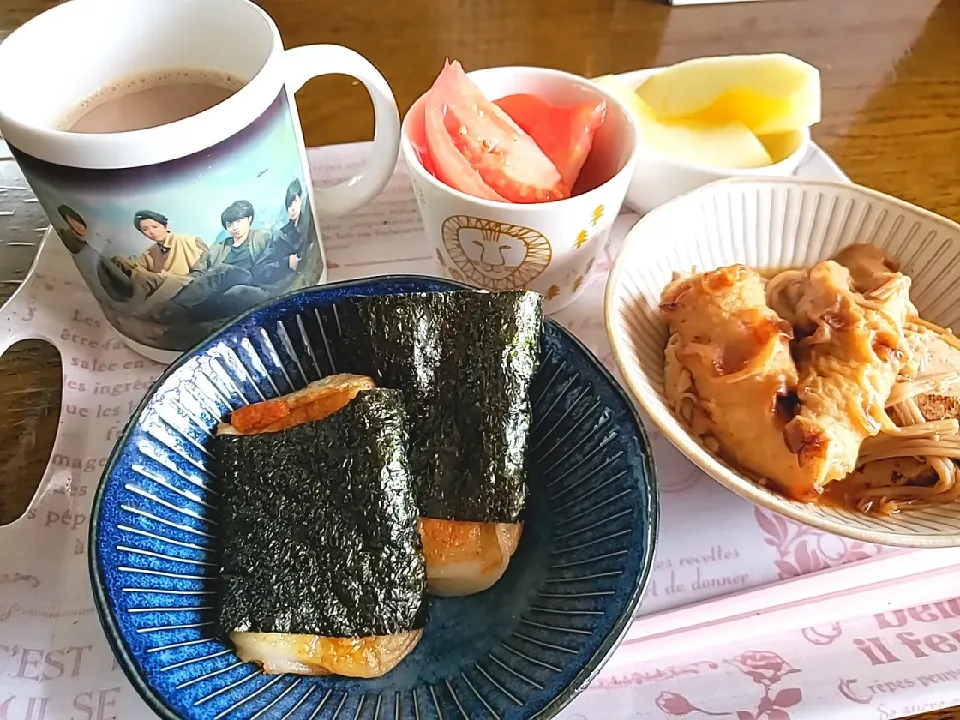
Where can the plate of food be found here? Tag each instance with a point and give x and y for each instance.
(392, 497)
(794, 339)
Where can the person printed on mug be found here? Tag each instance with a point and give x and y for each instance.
(244, 246)
(163, 269)
(171, 252)
(224, 279)
(291, 242)
(74, 236)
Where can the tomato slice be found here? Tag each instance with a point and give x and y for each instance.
(505, 158)
(564, 132)
(449, 165)
(417, 135)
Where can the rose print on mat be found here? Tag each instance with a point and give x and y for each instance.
(763, 667)
(768, 669)
(803, 550)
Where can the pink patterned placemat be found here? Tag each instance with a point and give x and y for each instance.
(894, 663)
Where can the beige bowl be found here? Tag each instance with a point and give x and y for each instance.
(775, 223)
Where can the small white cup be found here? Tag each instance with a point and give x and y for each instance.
(546, 247)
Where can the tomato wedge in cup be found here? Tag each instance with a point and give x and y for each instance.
(564, 132)
(449, 165)
(476, 148)
(417, 135)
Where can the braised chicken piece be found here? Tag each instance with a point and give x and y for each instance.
(936, 370)
(849, 354)
(929, 353)
(869, 266)
(822, 381)
(729, 374)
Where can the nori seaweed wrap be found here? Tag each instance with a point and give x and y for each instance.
(320, 526)
(464, 361)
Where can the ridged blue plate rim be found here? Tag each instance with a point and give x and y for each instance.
(579, 681)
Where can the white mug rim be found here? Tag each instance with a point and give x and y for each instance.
(177, 139)
(413, 162)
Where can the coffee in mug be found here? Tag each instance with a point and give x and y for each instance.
(142, 101)
(181, 189)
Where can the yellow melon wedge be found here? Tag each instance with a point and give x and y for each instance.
(730, 145)
(770, 94)
(625, 93)
(782, 145)
(725, 145)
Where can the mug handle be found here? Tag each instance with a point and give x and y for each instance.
(310, 61)
(12, 331)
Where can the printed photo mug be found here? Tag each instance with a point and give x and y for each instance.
(163, 141)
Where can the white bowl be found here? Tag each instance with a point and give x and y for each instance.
(776, 223)
(546, 247)
(658, 178)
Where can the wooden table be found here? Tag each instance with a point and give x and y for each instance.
(891, 94)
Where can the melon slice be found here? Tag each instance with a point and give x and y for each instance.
(730, 144)
(770, 94)
(781, 145)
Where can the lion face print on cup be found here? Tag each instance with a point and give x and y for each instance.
(495, 255)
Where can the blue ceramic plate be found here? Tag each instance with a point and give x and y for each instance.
(522, 649)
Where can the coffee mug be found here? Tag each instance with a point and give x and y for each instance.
(179, 225)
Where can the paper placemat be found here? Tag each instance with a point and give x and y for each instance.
(890, 665)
